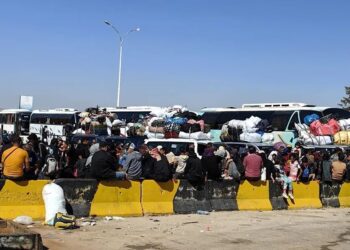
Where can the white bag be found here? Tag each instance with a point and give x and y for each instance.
(250, 137)
(268, 138)
(344, 124)
(53, 197)
(195, 136)
(263, 174)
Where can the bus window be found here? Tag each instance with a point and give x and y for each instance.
(280, 119)
(337, 113)
(131, 116)
(304, 113)
(293, 120)
(39, 118)
(9, 119)
(62, 119)
(211, 118)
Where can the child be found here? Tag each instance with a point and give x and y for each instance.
(294, 173)
(285, 181)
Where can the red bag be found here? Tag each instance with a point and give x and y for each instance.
(319, 129)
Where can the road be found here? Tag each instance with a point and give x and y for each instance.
(300, 229)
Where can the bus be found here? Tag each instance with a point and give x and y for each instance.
(281, 117)
(15, 121)
(131, 114)
(55, 122)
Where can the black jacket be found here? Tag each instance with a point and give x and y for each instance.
(212, 167)
(194, 171)
(162, 170)
(103, 166)
(147, 163)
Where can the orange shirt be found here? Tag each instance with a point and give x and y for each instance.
(13, 165)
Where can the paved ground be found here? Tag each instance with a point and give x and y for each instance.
(308, 229)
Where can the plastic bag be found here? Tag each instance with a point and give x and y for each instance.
(53, 197)
(263, 174)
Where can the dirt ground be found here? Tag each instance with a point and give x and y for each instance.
(303, 229)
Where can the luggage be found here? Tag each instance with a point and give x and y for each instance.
(344, 124)
(267, 138)
(190, 128)
(342, 138)
(317, 140)
(319, 129)
(63, 221)
(196, 136)
(156, 129)
(250, 137)
(311, 118)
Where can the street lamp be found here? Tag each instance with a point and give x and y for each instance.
(121, 41)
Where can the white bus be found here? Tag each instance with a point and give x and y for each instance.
(15, 121)
(56, 122)
(132, 113)
(281, 116)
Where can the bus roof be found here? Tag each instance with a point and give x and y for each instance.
(14, 111)
(56, 111)
(130, 108)
(268, 107)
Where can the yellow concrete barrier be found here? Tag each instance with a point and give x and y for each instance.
(158, 197)
(254, 196)
(306, 195)
(22, 198)
(344, 195)
(120, 198)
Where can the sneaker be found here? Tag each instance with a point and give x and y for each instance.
(285, 195)
(291, 196)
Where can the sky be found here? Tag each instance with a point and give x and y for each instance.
(196, 53)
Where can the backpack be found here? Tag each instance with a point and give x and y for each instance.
(51, 166)
(64, 221)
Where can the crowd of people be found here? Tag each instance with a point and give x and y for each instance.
(102, 161)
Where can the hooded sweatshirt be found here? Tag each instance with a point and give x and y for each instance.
(133, 166)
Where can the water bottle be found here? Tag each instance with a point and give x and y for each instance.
(202, 212)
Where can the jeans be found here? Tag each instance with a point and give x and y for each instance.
(120, 175)
(287, 183)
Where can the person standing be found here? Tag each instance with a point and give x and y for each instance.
(14, 160)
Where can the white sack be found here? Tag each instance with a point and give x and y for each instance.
(53, 197)
(250, 137)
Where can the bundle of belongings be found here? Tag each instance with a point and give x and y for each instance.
(323, 131)
(177, 122)
(253, 129)
(99, 122)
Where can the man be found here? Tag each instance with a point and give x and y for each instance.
(103, 165)
(147, 162)
(133, 163)
(161, 171)
(252, 164)
(339, 168)
(194, 171)
(14, 159)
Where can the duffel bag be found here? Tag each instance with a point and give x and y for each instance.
(342, 138)
(156, 129)
(319, 129)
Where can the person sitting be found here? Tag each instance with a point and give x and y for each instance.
(252, 164)
(14, 159)
(339, 168)
(162, 170)
(180, 164)
(133, 166)
(307, 170)
(104, 165)
(194, 171)
(211, 164)
(147, 162)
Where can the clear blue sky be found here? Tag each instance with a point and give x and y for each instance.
(192, 52)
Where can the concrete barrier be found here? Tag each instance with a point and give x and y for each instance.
(307, 195)
(344, 195)
(158, 197)
(79, 194)
(189, 200)
(22, 198)
(121, 198)
(329, 193)
(254, 196)
(276, 199)
(222, 195)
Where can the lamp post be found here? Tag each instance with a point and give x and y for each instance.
(121, 41)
